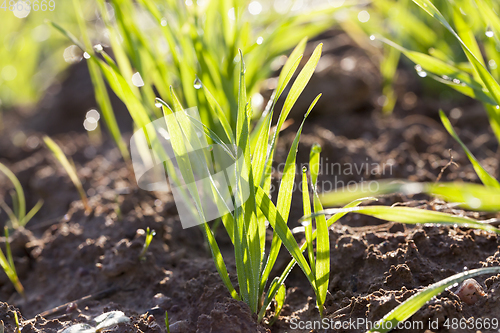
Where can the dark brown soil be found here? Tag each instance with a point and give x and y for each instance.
(64, 254)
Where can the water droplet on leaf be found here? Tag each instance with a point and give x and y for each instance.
(197, 83)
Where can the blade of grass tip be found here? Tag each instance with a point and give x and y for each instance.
(274, 286)
(19, 191)
(485, 177)
(410, 215)
(323, 238)
(289, 64)
(488, 80)
(167, 324)
(471, 196)
(70, 170)
(298, 86)
(263, 172)
(66, 33)
(285, 197)
(406, 309)
(295, 91)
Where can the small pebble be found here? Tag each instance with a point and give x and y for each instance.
(470, 291)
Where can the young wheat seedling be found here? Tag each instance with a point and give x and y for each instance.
(8, 265)
(70, 169)
(18, 216)
(149, 237)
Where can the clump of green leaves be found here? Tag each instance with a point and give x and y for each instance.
(478, 77)
(70, 169)
(184, 45)
(17, 215)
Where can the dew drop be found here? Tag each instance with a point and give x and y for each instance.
(72, 54)
(372, 37)
(260, 40)
(21, 9)
(163, 22)
(420, 71)
(304, 168)
(86, 55)
(422, 74)
(446, 77)
(363, 16)
(489, 33)
(456, 81)
(255, 8)
(98, 48)
(197, 83)
(137, 80)
(90, 124)
(94, 114)
(158, 105)
(492, 63)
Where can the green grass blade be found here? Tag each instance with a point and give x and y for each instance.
(21, 201)
(489, 81)
(10, 214)
(31, 213)
(290, 64)
(322, 273)
(101, 93)
(485, 177)
(69, 168)
(275, 286)
(306, 202)
(298, 85)
(470, 196)
(410, 215)
(219, 113)
(246, 234)
(442, 69)
(406, 309)
(285, 234)
(219, 260)
(8, 265)
(280, 301)
(285, 196)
